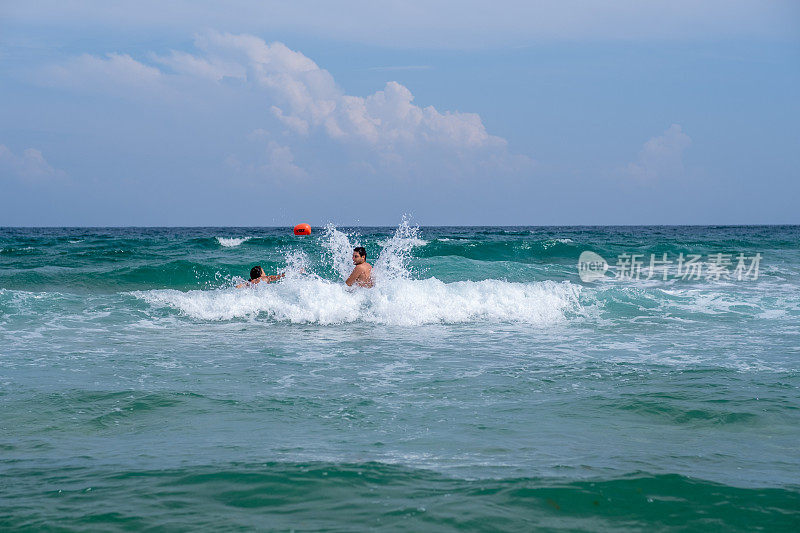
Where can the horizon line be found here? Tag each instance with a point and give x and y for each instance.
(429, 226)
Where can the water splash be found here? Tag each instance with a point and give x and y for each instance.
(338, 250)
(394, 259)
(297, 264)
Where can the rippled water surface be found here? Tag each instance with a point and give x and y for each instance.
(481, 385)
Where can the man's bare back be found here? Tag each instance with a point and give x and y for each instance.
(362, 273)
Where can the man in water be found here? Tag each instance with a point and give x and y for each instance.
(257, 275)
(362, 273)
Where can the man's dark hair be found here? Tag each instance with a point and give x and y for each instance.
(360, 251)
(255, 272)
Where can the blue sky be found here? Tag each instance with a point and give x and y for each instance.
(272, 113)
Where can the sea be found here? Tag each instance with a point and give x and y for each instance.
(485, 383)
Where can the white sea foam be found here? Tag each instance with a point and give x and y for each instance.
(396, 298)
(552, 242)
(310, 299)
(401, 297)
(230, 242)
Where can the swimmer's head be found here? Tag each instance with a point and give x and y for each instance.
(256, 272)
(359, 255)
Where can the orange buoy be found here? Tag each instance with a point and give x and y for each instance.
(302, 229)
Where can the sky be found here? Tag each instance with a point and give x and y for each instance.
(266, 113)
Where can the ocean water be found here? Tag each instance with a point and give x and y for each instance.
(480, 386)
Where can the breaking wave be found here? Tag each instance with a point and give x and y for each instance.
(406, 302)
(397, 298)
(231, 242)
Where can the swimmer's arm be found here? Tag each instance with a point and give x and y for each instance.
(270, 279)
(354, 276)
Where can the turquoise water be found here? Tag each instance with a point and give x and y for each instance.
(480, 386)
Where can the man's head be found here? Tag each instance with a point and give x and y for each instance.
(256, 272)
(359, 255)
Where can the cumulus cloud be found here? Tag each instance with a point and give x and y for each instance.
(661, 157)
(387, 129)
(30, 166)
(307, 99)
(275, 162)
(184, 63)
(111, 73)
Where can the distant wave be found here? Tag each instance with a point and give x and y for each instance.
(230, 242)
(412, 242)
(553, 242)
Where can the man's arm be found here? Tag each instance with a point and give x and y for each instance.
(354, 276)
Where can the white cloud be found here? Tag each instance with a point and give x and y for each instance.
(281, 160)
(30, 166)
(386, 126)
(661, 157)
(183, 63)
(296, 124)
(114, 72)
(306, 98)
(275, 164)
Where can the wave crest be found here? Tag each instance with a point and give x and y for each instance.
(231, 242)
(396, 301)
